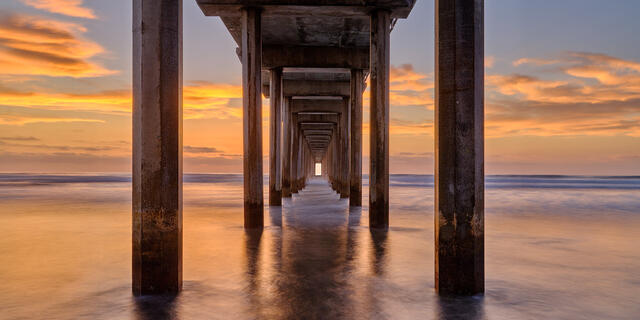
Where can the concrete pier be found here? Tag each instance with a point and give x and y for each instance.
(252, 117)
(379, 113)
(275, 121)
(355, 161)
(345, 143)
(295, 153)
(157, 147)
(459, 152)
(286, 149)
(314, 58)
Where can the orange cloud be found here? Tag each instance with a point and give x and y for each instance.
(22, 120)
(31, 45)
(408, 87)
(71, 8)
(591, 94)
(534, 61)
(201, 100)
(403, 127)
(519, 117)
(489, 61)
(212, 100)
(398, 126)
(532, 88)
(107, 101)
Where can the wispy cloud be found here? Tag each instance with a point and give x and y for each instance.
(33, 45)
(202, 100)
(23, 119)
(408, 87)
(105, 101)
(25, 146)
(591, 94)
(192, 149)
(19, 138)
(535, 62)
(72, 8)
(398, 126)
(489, 61)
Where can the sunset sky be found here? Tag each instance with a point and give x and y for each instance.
(562, 88)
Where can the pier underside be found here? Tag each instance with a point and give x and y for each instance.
(313, 60)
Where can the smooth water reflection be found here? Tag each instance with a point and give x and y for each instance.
(569, 254)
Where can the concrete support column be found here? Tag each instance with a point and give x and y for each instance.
(309, 163)
(295, 143)
(157, 147)
(275, 115)
(300, 164)
(301, 158)
(345, 146)
(330, 160)
(286, 149)
(335, 165)
(252, 117)
(379, 126)
(355, 161)
(307, 158)
(459, 148)
(338, 157)
(323, 165)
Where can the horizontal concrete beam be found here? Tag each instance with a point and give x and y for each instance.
(318, 136)
(332, 8)
(325, 132)
(274, 56)
(318, 78)
(318, 141)
(321, 142)
(316, 88)
(319, 74)
(316, 105)
(312, 118)
(317, 125)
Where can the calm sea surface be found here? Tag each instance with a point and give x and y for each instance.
(557, 247)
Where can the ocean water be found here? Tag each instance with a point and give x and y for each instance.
(557, 247)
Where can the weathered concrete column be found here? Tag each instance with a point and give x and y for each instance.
(157, 146)
(379, 125)
(252, 117)
(300, 167)
(286, 149)
(305, 171)
(275, 169)
(345, 145)
(295, 143)
(459, 148)
(323, 165)
(329, 161)
(334, 159)
(338, 156)
(355, 172)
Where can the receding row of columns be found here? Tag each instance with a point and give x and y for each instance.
(459, 174)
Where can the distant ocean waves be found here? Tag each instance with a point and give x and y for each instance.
(396, 180)
(531, 181)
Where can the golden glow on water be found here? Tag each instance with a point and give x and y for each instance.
(66, 254)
